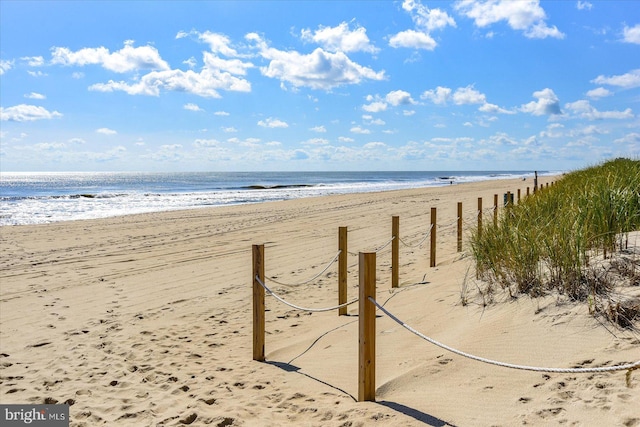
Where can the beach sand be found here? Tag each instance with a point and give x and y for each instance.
(146, 320)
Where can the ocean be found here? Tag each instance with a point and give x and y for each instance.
(43, 197)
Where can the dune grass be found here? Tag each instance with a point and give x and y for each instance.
(547, 241)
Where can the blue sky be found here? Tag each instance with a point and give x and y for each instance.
(318, 85)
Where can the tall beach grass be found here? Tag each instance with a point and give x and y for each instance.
(547, 242)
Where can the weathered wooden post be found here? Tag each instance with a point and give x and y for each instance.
(395, 251)
(459, 226)
(342, 270)
(495, 210)
(479, 217)
(258, 303)
(432, 254)
(367, 328)
(518, 196)
(527, 191)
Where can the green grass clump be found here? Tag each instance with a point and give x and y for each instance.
(545, 242)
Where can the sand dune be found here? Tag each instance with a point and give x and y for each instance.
(146, 320)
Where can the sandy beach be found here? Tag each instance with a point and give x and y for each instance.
(146, 320)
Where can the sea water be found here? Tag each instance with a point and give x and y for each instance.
(39, 197)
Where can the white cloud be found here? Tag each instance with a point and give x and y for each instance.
(598, 93)
(106, 131)
(583, 5)
(631, 34)
(273, 123)
(340, 38)
(34, 61)
(206, 143)
(425, 20)
(319, 129)
(413, 39)
(191, 62)
(547, 103)
(192, 107)
(218, 43)
(5, 66)
(221, 113)
(628, 80)
(408, 112)
(374, 145)
(399, 97)
(439, 95)
(318, 70)
(127, 59)
(359, 130)
(492, 108)
(205, 84)
(36, 73)
(230, 129)
(585, 110)
(523, 15)
(77, 75)
(35, 95)
(316, 141)
(468, 95)
(26, 113)
(630, 138)
(345, 139)
(375, 107)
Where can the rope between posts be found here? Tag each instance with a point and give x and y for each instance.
(420, 242)
(385, 245)
(627, 367)
(313, 310)
(335, 258)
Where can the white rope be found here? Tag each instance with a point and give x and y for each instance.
(630, 366)
(313, 310)
(384, 246)
(335, 258)
(421, 241)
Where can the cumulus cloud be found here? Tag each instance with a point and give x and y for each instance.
(468, 95)
(33, 61)
(340, 38)
(273, 123)
(319, 69)
(127, 59)
(525, 15)
(413, 39)
(319, 129)
(192, 107)
(359, 130)
(5, 66)
(598, 93)
(34, 95)
(630, 138)
(585, 110)
(439, 95)
(425, 21)
(547, 103)
(375, 107)
(583, 5)
(399, 97)
(106, 131)
(345, 139)
(628, 80)
(631, 34)
(26, 113)
(221, 113)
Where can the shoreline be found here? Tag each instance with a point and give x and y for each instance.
(146, 319)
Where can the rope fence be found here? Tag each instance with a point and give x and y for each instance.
(625, 367)
(368, 304)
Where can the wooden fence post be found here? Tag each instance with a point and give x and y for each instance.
(258, 303)
(459, 226)
(527, 191)
(495, 210)
(518, 196)
(342, 270)
(395, 251)
(432, 254)
(367, 328)
(479, 217)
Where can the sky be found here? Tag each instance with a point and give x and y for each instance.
(318, 85)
